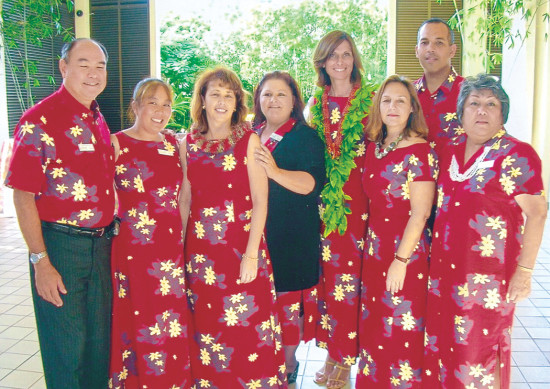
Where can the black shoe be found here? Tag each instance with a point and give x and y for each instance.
(291, 377)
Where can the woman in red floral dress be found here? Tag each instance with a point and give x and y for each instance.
(399, 180)
(338, 112)
(149, 333)
(235, 329)
(489, 223)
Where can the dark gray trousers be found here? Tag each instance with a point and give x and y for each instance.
(75, 339)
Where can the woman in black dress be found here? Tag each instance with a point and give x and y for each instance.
(293, 157)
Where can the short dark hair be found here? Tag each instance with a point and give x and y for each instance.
(67, 47)
(298, 108)
(325, 47)
(483, 82)
(451, 34)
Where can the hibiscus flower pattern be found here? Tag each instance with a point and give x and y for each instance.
(403, 375)
(141, 223)
(475, 375)
(147, 256)
(201, 269)
(401, 316)
(171, 277)
(80, 134)
(463, 326)
(346, 287)
(367, 365)
(483, 290)
(228, 315)
(129, 368)
(166, 199)
(65, 184)
(84, 217)
(373, 244)
(270, 382)
(213, 223)
(167, 325)
(122, 285)
(42, 144)
(327, 255)
(156, 362)
(493, 232)
(237, 309)
(213, 352)
(269, 333)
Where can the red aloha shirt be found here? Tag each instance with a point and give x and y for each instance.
(440, 109)
(62, 153)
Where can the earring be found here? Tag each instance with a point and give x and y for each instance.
(203, 107)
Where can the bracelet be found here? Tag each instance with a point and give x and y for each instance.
(404, 260)
(525, 268)
(244, 256)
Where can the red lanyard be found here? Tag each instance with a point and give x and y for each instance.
(276, 137)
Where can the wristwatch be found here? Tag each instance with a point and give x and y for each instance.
(36, 257)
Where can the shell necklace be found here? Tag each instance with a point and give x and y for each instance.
(392, 146)
(460, 177)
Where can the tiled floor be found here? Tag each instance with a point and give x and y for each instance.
(20, 365)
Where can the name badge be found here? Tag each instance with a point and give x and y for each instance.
(276, 137)
(86, 147)
(486, 164)
(165, 152)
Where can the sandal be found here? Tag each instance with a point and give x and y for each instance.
(291, 377)
(321, 376)
(339, 377)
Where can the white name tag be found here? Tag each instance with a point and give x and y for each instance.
(276, 137)
(486, 164)
(86, 147)
(165, 152)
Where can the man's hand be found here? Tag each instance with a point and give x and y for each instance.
(49, 282)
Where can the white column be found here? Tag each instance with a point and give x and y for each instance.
(4, 125)
(541, 89)
(392, 37)
(474, 44)
(154, 39)
(82, 19)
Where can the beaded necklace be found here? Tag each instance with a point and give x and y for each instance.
(381, 154)
(217, 146)
(454, 171)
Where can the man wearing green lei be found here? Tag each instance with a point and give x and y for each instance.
(338, 112)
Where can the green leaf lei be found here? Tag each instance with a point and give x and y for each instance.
(338, 170)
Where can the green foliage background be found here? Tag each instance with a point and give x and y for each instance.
(23, 27)
(273, 39)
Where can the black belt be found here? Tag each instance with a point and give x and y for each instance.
(109, 231)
